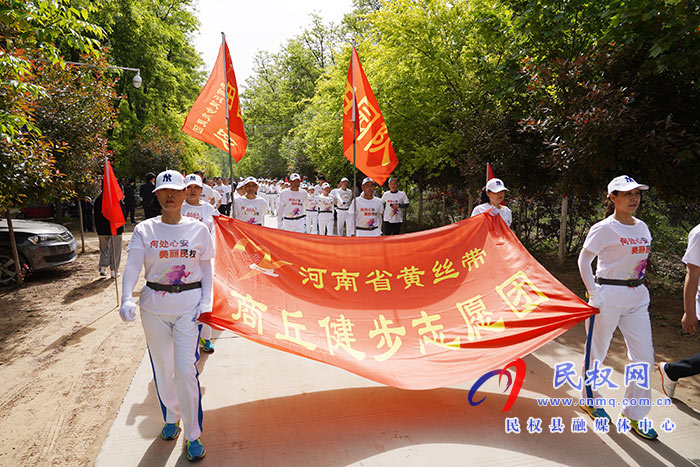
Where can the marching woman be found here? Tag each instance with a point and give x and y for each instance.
(621, 243)
(492, 198)
(176, 252)
(196, 208)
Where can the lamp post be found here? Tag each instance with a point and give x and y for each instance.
(136, 81)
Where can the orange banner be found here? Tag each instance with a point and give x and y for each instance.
(374, 154)
(206, 121)
(416, 311)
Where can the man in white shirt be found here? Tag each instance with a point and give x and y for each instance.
(367, 212)
(343, 197)
(223, 190)
(250, 208)
(311, 210)
(290, 207)
(395, 202)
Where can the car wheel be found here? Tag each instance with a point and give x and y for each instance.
(8, 267)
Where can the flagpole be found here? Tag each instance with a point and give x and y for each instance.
(354, 164)
(113, 260)
(228, 125)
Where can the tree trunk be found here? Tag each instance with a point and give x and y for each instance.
(82, 231)
(15, 254)
(444, 209)
(420, 204)
(471, 202)
(59, 212)
(562, 229)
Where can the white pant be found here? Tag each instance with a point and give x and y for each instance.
(344, 219)
(205, 332)
(325, 223)
(636, 329)
(294, 225)
(312, 222)
(173, 345)
(369, 233)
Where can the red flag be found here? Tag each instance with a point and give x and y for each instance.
(489, 172)
(206, 121)
(111, 195)
(417, 311)
(374, 154)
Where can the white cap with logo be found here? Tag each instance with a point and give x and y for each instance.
(624, 183)
(249, 180)
(325, 185)
(344, 179)
(193, 179)
(367, 180)
(495, 185)
(294, 176)
(170, 179)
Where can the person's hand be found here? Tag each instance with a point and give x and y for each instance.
(201, 309)
(689, 322)
(594, 299)
(128, 310)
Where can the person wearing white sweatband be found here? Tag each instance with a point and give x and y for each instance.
(622, 244)
(176, 252)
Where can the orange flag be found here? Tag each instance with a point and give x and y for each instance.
(206, 121)
(111, 195)
(416, 311)
(374, 154)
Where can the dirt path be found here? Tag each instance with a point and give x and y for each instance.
(66, 360)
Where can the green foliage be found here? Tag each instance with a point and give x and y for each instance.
(155, 37)
(33, 33)
(61, 116)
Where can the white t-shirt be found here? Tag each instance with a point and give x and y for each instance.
(622, 252)
(504, 212)
(325, 203)
(369, 212)
(692, 256)
(205, 212)
(291, 203)
(251, 211)
(208, 193)
(224, 191)
(172, 256)
(393, 215)
(311, 202)
(344, 198)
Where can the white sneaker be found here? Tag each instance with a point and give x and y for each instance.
(103, 271)
(116, 274)
(667, 384)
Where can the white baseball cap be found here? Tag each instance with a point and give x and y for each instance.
(344, 179)
(171, 179)
(294, 177)
(367, 180)
(625, 183)
(193, 179)
(495, 185)
(250, 180)
(325, 185)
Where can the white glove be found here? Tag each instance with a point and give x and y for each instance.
(594, 299)
(128, 310)
(201, 309)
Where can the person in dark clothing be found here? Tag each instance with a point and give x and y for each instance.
(107, 241)
(86, 207)
(130, 200)
(147, 196)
